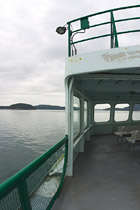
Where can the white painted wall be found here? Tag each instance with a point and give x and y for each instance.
(111, 59)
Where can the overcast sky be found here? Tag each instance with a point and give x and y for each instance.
(32, 54)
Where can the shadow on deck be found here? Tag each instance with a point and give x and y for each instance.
(106, 177)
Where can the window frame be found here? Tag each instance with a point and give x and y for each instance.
(133, 111)
(128, 113)
(79, 123)
(102, 122)
(87, 118)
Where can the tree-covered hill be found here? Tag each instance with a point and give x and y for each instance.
(21, 106)
(49, 107)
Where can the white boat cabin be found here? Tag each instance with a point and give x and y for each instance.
(100, 81)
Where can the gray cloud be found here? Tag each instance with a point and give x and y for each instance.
(32, 54)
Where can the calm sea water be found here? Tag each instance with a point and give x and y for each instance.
(25, 134)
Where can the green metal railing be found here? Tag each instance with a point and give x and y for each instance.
(37, 185)
(84, 23)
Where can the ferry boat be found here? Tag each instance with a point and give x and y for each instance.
(98, 161)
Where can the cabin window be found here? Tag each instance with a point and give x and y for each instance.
(102, 112)
(76, 116)
(136, 112)
(121, 112)
(85, 114)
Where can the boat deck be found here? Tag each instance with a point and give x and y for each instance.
(106, 177)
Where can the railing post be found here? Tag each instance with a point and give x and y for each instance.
(69, 40)
(65, 162)
(112, 36)
(63, 175)
(24, 196)
(114, 30)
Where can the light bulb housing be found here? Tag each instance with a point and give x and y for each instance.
(61, 30)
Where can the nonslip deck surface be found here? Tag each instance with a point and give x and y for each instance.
(106, 177)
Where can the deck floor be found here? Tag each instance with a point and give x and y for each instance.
(106, 177)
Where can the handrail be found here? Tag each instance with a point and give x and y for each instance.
(86, 25)
(19, 181)
(106, 11)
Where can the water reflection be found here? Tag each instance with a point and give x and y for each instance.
(24, 135)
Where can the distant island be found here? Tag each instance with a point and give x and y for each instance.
(50, 107)
(23, 106)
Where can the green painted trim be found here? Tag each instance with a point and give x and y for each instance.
(114, 29)
(62, 179)
(126, 19)
(92, 26)
(23, 174)
(126, 32)
(24, 196)
(69, 42)
(106, 11)
(96, 37)
(111, 30)
(84, 23)
(105, 35)
(113, 34)
(108, 22)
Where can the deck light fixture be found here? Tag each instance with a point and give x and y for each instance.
(61, 30)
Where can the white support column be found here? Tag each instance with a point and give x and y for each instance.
(81, 148)
(69, 129)
(82, 115)
(91, 116)
(112, 115)
(130, 112)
